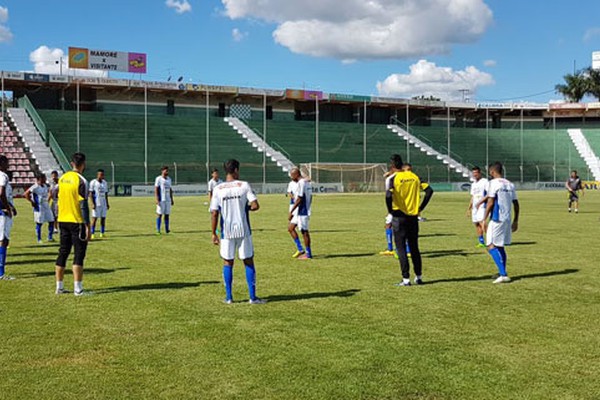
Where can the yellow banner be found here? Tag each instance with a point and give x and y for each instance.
(591, 185)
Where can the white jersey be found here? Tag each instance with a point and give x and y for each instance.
(212, 184)
(304, 192)
(164, 188)
(292, 191)
(503, 191)
(231, 200)
(5, 183)
(99, 190)
(54, 192)
(479, 190)
(39, 194)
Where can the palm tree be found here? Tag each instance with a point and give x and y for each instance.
(575, 87)
(593, 78)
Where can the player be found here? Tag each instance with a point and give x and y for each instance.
(476, 209)
(292, 190)
(163, 194)
(500, 200)
(7, 212)
(74, 223)
(38, 195)
(389, 233)
(53, 198)
(100, 205)
(213, 183)
(303, 204)
(574, 185)
(402, 200)
(232, 201)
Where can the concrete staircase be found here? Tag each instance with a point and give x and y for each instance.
(32, 138)
(454, 165)
(259, 144)
(586, 152)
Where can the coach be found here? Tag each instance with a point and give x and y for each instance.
(402, 200)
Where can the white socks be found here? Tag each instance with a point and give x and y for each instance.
(78, 286)
(60, 285)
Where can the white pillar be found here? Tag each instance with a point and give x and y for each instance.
(264, 166)
(408, 130)
(521, 145)
(207, 136)
(487, 138)
(145, 133)
(317, 135)
(78, 116)
(554, 148)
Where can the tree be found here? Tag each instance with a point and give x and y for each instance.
(593, 78)
(576, 86)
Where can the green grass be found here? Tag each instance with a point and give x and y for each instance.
(334, 328)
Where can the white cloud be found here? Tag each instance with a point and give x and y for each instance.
(48, 61)
(5, 33)
(238, 35)
(373, 29)
(490, 63)
(591, 33)
(426, 78)
(180, 6)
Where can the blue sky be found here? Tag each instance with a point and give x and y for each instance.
(514, 48)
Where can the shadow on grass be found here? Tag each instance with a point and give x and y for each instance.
(355, 255)
(514, 278)
(446, 253)
(430, 235)
(155, 286)
(41, 246)
(68, 271)
(523, 244)
(45, 253)
(31, 262)
(311, 296)
(333, 231)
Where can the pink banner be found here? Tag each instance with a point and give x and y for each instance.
(313, 95)
(137, 63)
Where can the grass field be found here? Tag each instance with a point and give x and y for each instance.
(335, 327)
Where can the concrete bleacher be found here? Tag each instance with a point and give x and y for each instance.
(108, 137)
(593, 138)
(22, 164)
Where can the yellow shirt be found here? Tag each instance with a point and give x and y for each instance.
(406, 192)
(72, 189)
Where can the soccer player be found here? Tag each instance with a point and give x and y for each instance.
(213, 183)
(100, 205)
(53, 198)
(574, 185)
(74, 223)
(163, 194)
(402, 200)
(500, 200)
(232, 201)
(293, 223)
(389, 233)
(476, 209)
(303, 204)
(7, 212)
(38, 195)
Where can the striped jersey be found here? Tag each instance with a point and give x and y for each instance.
(232, 200)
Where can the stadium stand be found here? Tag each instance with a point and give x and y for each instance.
(22, 162)
(593, 137)
(119, 138)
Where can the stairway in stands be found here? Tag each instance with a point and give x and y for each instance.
(259, 144)
(45, 160)
(22, 163)
(586, 152)
(452, 163)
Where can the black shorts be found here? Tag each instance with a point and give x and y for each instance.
(573, 196)
(71, 236)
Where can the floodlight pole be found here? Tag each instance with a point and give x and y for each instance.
(207, 136)
(264, 166)
(408, 130)
(365, 141)
(554, 140)
(521, 145)
(3, 102)
(78, 117)
(145, 133)
(487, 138)
(448, 122)
(317, 135)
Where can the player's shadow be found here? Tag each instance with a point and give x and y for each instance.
(50, 261)
(446, 253)
(311, 296)
(352, 255)
(513, 278)
(523, 244)
(68, 271)
(45, 253)
(38, 246)
(154, 286)
(430, 235)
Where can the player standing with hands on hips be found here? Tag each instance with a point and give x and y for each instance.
(74, 223)
(232, 201)
(163, 193)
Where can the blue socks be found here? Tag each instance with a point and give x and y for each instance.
(38, 232)
(102, 229)
(158, 220)
(308, 252)
(228, 279)
(93, 229)
(2, 260)
(500, 260)
(167, 224)
(389, 236)
(50, 230)
(298, 244)
(251, 281)
(407, 248)
(481, 240)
